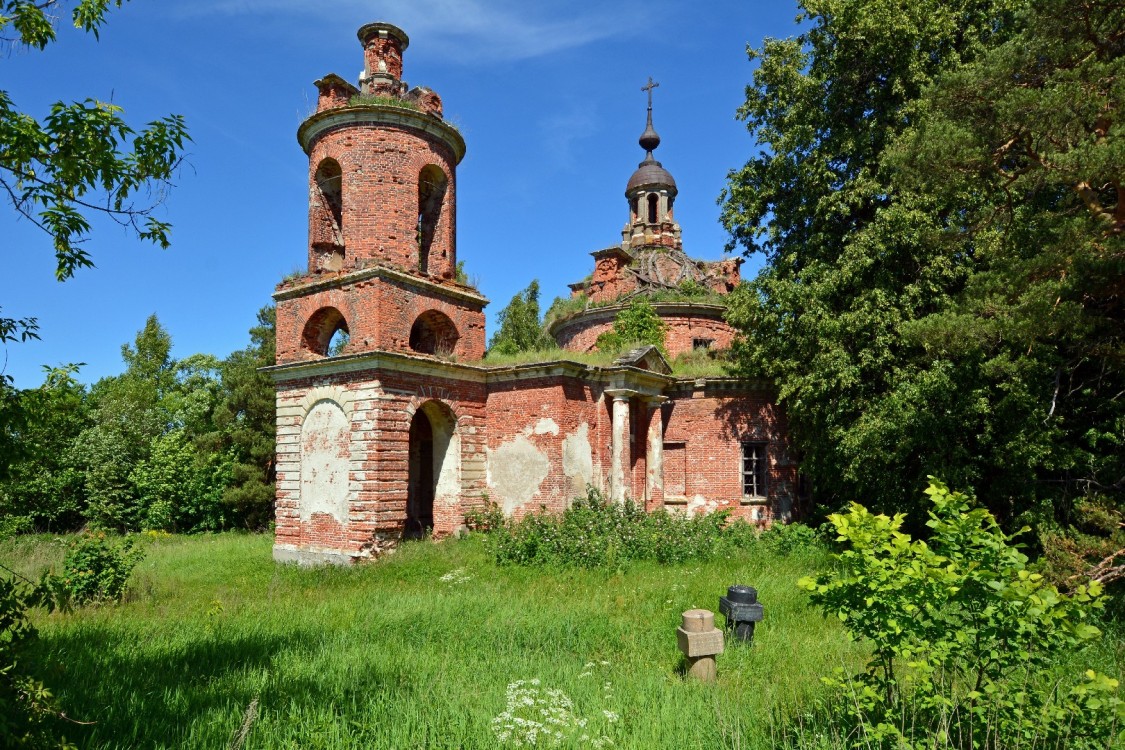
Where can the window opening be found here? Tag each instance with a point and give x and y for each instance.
(339, 341)
(325, 329)
(327, 215)
(433, 333)
(754, 469)
(652, 201)
(703, 344)
(431, 193)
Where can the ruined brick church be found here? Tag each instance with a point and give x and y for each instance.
(407, 426)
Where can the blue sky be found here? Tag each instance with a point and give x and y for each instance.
(547, 94)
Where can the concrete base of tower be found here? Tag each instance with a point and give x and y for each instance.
(307, 558)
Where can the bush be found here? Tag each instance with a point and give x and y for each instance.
(594, 533)
(791, 538)
(966, 640)
(26, 707)
(97, 570)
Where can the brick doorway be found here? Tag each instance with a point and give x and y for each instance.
(435, 467)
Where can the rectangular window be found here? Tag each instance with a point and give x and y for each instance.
(675, 469)
(754, 469)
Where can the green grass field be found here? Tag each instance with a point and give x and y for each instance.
(214, 638)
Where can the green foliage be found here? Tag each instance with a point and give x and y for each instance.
(371, 100)
(595, 533)
(965, 638)
(636, 324)
(27, 708)
(57, 171)
(488, 518)
(520, 329)
(791, 538)
(97, 570)
(43, 488)
(179, 490)
(244, 426)
(936, 264)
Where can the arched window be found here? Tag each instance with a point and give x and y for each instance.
(653, 201)
(326, 333)
(326, 212)
(433, 333)
(431, 194)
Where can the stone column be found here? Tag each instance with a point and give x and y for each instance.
(619, 445)
(654, 455)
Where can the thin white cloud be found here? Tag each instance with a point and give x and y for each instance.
(462, 30)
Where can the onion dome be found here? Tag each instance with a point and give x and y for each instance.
(650, 173)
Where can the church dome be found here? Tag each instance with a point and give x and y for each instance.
(650, 175)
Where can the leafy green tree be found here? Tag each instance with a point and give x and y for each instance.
(521, 329)
(82, 159)
(43, 488)
(26, 705)
(58, 171)
(245, 426)
(636, 324)
(178, 488)
(934, 300)
(130, 412)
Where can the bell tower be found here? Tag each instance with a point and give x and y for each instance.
(382, 243)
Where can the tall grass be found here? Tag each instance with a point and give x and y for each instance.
(218, 647)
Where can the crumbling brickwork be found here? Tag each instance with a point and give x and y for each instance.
(687, 326)
(381, 308)
(405, 430)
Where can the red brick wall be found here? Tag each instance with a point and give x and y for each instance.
(379, 313)
(564, 404)
(581, 334)
(711, 425)
(383, 403)
(387, 50)
(379, 186)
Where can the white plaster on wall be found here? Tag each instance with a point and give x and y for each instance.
(325, 448)
(515, 471)
(447, 468)
(577, 460)
(546, 426)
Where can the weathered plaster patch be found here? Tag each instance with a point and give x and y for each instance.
(578, 460)
(447, 468)
(325, 449)
(546, 426)
(515, 471)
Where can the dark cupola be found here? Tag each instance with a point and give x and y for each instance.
(651, 191)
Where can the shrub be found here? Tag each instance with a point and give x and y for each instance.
(26, 706)
(636, 324)
(594, 533)
(965, 638)
(488, 518)
(97, 570)
(791, 538)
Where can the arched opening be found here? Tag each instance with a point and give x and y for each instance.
(326, 333)
(431, 194)
(435, 467)
(653, 202)
(327, 215)
(433, 333)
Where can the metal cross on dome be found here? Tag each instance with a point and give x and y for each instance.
(649, 87)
